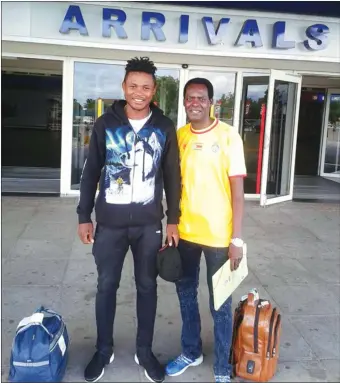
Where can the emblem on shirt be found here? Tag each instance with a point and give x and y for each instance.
(120, 182)
(197, 146)
(215, 148)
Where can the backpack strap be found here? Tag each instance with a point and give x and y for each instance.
(238, 318)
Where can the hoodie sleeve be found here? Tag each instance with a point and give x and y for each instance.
(91, 173)
(172, 176)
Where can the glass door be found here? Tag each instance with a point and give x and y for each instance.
(254, 95)
(331, 149)
(280, 113)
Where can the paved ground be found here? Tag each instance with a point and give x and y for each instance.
(293, 257)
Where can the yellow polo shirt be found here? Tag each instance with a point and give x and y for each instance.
(209, 158)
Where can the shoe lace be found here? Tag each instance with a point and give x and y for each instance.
(222, 379)
(182, 359)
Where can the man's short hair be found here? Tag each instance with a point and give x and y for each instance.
(200, 81)
(141, 64)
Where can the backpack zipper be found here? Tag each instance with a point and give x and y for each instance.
(256, 329)
(270, 332)
(31, 345)
(275, 334)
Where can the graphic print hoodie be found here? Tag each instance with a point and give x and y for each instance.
(131, 170)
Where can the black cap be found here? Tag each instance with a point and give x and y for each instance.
(169, 264)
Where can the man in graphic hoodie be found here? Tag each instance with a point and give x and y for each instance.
(133, 153)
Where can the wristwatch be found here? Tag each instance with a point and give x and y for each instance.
(238, 242)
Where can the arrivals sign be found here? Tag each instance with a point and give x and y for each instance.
(316, 36)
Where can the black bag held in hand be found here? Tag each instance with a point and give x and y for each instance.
(169, 263)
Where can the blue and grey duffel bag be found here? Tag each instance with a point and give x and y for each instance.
(40, 348)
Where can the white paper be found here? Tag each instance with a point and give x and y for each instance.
(226, 281)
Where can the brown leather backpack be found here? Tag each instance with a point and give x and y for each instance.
(256, 339)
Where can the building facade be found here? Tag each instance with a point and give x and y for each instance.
(276, 80)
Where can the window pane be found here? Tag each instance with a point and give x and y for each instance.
(252, 120)
(166, 96)
(332, 155)
(93, 84)
(281, 138)
(224, 92)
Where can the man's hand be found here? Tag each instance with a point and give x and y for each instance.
(172, 234)
(235, 255)
(85, 232)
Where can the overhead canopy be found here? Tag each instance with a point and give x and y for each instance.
(326, 8)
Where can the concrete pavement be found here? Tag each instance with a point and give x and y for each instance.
(294, 260)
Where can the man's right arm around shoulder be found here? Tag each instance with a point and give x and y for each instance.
(89, 180)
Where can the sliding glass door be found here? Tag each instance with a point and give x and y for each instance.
(330, 164)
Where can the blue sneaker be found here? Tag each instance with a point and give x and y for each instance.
(222, 379)
(180, 364)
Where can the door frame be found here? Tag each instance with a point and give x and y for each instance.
(330, 91)
(292, 78)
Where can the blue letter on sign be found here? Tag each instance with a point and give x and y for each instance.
(73, 20)
(183, 28)
(249, 34)
(117, 23)
(156, 26)
(279, 31)
(215, 37)
(317, 34)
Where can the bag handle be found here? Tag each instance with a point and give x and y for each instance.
(253, 297)
(48, 313)
(34, 319)
(37, 319)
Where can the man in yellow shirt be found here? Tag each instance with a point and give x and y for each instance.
(212, 170)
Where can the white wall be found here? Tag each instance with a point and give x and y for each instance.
(40, 22)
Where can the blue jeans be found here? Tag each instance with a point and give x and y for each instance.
(187, 295)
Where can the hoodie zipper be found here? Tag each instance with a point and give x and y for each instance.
(31, 345)
(133, 167)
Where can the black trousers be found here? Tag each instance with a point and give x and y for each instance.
(109, 250)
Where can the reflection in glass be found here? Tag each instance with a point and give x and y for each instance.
(166, 96)
(281, 139)
(332, 153)
(254, 98)
(224, 92)
(96, 87)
